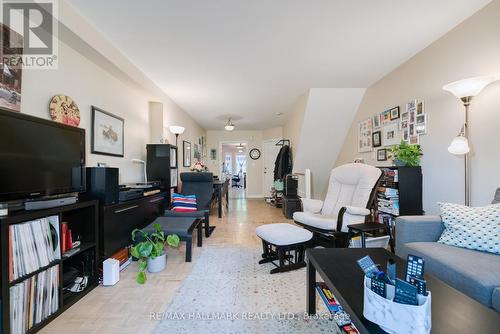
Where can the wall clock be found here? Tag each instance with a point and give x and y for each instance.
(64, 110)
(254, 153)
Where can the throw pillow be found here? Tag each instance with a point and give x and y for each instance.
(472, 228)
(183, 203)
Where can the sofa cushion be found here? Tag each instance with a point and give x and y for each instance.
(496, 199)
(474, 273)
(473, 228)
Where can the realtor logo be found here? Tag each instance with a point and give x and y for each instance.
(29, 33)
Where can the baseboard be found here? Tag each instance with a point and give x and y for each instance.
(255, 196)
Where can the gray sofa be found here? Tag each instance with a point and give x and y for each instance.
(477, 274)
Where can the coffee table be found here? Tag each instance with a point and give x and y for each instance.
(452, 311)
(183, 227)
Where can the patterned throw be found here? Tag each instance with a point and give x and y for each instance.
(472, 228)
(183, 203)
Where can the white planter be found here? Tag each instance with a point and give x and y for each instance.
(158, 263)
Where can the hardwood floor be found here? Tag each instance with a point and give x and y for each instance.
(127, 306)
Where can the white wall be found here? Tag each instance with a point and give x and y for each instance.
(93, 72)
(471, 49)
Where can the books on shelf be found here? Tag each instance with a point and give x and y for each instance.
(33, 300)
(33, 245)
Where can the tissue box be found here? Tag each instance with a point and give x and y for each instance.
(395, 318)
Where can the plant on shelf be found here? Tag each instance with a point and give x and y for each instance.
(150, 250)
(405, 154)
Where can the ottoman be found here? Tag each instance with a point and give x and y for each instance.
(284, 243)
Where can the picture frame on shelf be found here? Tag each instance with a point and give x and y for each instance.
(186, 154)
(107, 133)
(377, 138)
(394, 113)
(382, 154)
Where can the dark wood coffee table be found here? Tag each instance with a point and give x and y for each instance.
(452, 311)
(183, 227)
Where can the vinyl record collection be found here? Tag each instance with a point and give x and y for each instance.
(33, 300)
(387, 193)
(33, 245)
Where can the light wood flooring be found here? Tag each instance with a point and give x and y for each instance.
(127, 306)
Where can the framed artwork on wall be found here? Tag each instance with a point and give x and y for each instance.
(186, 153)
(107, 136)
(391, 134)
(365, 136)
(394, 113)
(377, 139)
(382, 154)
(213, 154)
(376, 122)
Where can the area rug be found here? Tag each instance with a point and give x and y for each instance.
(229, 292)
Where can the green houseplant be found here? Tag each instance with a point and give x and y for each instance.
(405, 154)
(150, 248)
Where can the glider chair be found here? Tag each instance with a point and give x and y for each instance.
(200, 184)
(349, 200)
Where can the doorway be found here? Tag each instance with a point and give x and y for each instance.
(269, 153)
(234, 167)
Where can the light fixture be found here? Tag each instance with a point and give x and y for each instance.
(139, 161)
(240, 146)
(240, 151)
(176, 130)
(465, 90)
(229, 125)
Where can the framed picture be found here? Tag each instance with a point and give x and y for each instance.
(385, 117)
(394, 113)
(377, 139)
(411, 130)
(420, 108)
(405, 116)
(382, 154)
(376, 122)
(186, 154)
(412, 117)
(421, 124)
(390, 134)
(213, 154)
(107, 133)
(414, 140)
(196, 152)
(11, 69)
(365, 129)
(411, 106)
(406, 135)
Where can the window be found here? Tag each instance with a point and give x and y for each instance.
(241, 161)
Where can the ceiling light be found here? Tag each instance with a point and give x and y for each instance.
(229, 126)
(239, 147)
(240, 151)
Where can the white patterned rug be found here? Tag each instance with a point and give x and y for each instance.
(229, 292)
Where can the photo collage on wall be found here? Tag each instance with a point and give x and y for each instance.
(390, 127)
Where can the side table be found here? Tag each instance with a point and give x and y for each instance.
(364, 228)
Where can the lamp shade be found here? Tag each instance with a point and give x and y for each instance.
(176, 129)
(459, 146)
(469, 87)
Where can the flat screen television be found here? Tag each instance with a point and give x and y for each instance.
(39, 157)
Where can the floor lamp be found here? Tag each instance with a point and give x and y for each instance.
(466, 90)
(176, 130)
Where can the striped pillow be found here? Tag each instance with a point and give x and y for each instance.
(182, 203)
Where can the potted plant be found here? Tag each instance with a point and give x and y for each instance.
(150, 250)
(199, 167)
(405, 154)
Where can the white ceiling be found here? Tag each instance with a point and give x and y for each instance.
(252, 59)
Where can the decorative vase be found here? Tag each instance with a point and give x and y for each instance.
(399, 163)
(157, 264)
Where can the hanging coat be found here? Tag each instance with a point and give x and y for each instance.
(283, 164)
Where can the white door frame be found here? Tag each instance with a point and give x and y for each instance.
(264, 142)
(223, 159)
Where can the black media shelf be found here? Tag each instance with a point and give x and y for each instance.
(82, 219)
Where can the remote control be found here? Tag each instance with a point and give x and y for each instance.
(414, 267)
(369, 267)
(378, 286)
(421, 285)
(405, 293)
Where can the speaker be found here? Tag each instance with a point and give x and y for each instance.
(102, 184)
(158, 164)
(110, 272)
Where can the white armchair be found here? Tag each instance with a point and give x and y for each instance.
(351, 191)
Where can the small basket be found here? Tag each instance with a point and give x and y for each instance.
(396, 318)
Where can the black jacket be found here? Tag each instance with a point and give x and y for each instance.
(283, 164)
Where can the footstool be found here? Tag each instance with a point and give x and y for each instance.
(278, 241)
